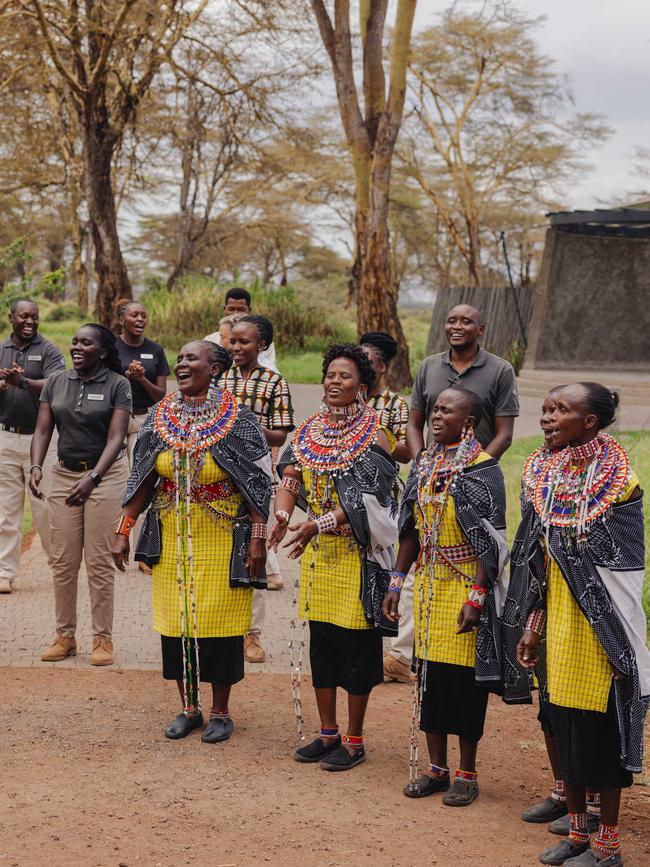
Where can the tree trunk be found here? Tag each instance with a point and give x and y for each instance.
(474, 254)
(110, 268)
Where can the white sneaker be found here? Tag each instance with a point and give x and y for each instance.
(6, 585)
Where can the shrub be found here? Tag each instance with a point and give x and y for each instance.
(63, 312)
(195, 307)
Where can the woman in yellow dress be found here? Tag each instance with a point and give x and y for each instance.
(578, 582)
(339, 469)
(202, 467)
(452, 521)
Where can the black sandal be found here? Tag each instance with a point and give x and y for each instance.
(317, 750)
(183, 725)
(341, 760)
(426, 785)
(461, 794)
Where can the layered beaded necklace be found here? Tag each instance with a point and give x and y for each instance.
(580, 484)
(331, 440)
(195, 424)
(532, 470)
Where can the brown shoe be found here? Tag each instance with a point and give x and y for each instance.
(395, 669)
(61, 647)
(253, 650)
(7, 585)
(102, 652)
(274, 582)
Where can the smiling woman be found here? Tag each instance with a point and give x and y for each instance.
(90, 406)
(339, 470)
(202, 470)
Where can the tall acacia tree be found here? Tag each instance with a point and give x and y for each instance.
(105, 55)
(371, 121)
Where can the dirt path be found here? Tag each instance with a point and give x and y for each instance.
(87, 779)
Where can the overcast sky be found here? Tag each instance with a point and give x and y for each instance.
(604, 47)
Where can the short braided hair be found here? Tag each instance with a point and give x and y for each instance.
(218, 355)
(354, 353)
(108, 344)
(263, 325)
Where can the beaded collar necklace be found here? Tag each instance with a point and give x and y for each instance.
(532, 469)
(578, 485)
(331, 440)
(437, 470)
(192, 425)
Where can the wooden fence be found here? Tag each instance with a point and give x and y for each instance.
(497, 305)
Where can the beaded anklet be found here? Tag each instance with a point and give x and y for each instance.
(437, 771)
(557, 792)
(329, 733)
(608, 841)
(578, 832)
(353, 741)
(219, 714)
(468, 776)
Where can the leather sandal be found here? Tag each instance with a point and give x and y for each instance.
(547, 811)
(218, 729)
(341, 760)
(317, 750)
(183, 725)
(461, 794)
(563, 851)
(427, 785)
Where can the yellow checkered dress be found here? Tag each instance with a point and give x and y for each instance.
(578, 671)
(331, 594)
(440, 600)
(221, 610)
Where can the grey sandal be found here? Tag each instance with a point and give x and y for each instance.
(461, 794)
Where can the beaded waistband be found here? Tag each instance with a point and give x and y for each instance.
(201, 493)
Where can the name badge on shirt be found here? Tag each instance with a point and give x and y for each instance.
(146, 355)
(95, 396)
(34, 358)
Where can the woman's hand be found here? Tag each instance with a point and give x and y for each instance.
(135, 370)
(304, 531)
(278, 532)
(527, 655)
(468, 619)
(35, 479)
(120, 551)
(80, 492)
(390, 606)
(256, 557)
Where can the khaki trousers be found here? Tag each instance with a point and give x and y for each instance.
(14, 479)
(135, 423)
(85, 531)
(402, 646)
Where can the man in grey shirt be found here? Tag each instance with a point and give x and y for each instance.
(466, 364)
(493, 380)
(26, 360)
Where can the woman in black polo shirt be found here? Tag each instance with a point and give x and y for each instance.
(90, 406)
(144, 365)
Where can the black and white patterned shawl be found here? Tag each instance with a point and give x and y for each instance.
(612, 557)
(365, 495)
(480, 501)
(243, 453)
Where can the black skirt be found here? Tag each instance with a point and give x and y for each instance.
(543, 715)
(349, 658)
(588, 746)
(453, 703)
(221, 660)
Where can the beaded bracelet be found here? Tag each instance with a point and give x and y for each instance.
(292, 485)
(282, 517)
(124, 526)
(258, 531)
(327, 523)
(537, 621)
(477, 596)
(397, 579)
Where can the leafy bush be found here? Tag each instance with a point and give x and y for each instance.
(195, 307)
(62, 312)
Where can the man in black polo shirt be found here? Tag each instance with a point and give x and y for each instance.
(26, 360)
(492, 378)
